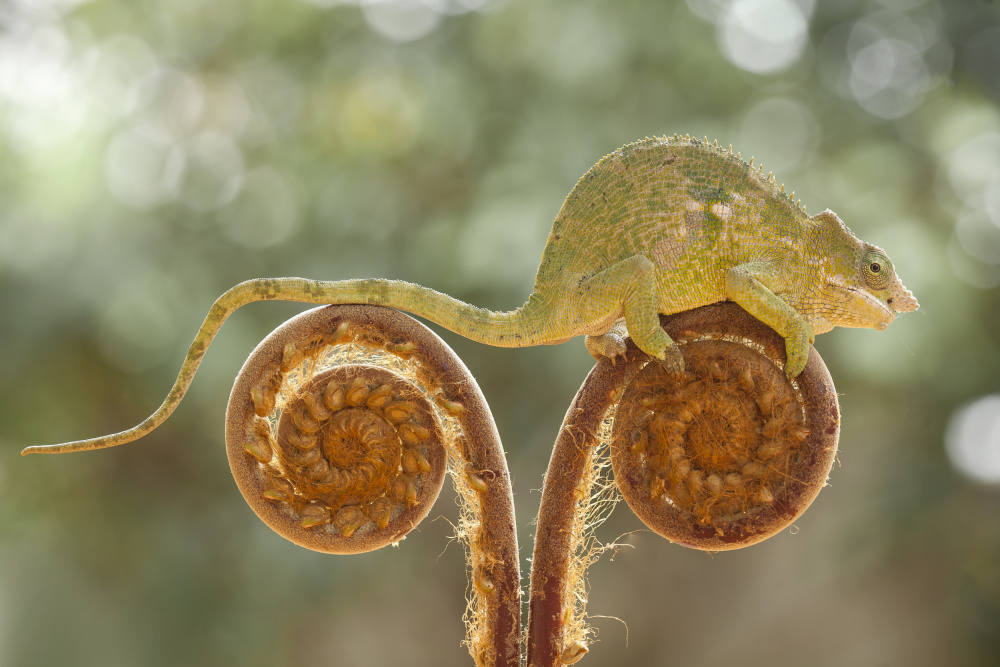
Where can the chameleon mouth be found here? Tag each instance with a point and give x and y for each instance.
(889, 313)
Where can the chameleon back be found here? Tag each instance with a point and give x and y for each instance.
(694, 209)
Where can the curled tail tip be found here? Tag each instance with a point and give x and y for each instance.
(41, 449)
(46, 449)
(75, 446)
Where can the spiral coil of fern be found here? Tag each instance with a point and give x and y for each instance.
(339, 431)
(722, 457)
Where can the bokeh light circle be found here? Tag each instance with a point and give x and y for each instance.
(763, 36)
(400, 20)
(972, 439)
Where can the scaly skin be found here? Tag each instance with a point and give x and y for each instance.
(659, 226)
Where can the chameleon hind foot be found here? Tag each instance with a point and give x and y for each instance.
(610, 344)
(656, 343)
(673, 360)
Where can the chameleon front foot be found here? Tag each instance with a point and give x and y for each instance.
(797, 350)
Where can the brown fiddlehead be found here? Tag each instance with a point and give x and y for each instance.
(340, 427)
(721, 457)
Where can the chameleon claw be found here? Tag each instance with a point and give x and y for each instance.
(606, 346)
(614, 355)
(797, 349)
(797, 357)
(793, 370)
(673, 361)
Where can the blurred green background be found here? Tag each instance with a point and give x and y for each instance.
(153, 154)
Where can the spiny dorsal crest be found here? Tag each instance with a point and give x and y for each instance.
(769, 179)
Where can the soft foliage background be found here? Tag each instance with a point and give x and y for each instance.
(153, 154)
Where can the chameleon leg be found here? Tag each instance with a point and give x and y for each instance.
(750, 285)
(630, 288)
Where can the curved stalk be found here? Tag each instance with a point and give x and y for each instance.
(681, 493)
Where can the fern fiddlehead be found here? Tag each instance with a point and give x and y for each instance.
(721, 457)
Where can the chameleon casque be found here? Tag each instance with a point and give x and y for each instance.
(661, 225)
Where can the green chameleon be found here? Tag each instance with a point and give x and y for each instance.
(661, 225)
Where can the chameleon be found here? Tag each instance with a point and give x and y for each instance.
(660, 225)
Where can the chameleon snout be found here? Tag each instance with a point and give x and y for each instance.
(902, 300)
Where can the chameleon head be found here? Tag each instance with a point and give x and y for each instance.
(860, 286)
(880, 281)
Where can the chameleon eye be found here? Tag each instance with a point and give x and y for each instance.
(876, 270)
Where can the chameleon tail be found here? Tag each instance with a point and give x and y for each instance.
(484, 326)
(503, 329)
